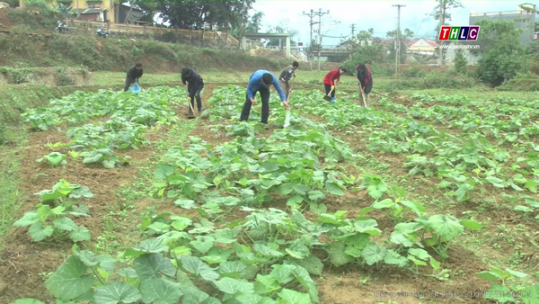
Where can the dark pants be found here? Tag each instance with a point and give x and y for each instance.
(196, 94)
(128, 83)
(265, 96)
(328, 88)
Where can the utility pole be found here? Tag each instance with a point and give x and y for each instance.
(441, 17)
(398, 40)
(320, 14)
(353, 26)
(311, 16)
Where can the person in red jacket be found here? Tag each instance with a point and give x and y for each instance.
(365, 83)
(331, 79)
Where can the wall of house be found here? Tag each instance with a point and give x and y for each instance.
(108, 4)
(523, 20)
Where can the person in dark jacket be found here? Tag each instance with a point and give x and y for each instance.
(261, 81)
(286, 74)
(133, 75)
(365, 83)
(196, 84)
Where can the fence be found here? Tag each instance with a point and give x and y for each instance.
(213, 39)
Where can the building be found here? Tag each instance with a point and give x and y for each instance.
(524, 19)
(422, 46)
(113, 11)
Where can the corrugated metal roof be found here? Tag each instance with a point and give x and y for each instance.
(88, 11)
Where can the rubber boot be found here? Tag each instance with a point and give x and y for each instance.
(333, 100)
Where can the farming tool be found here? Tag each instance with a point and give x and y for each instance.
(287, 119)
(362, 96)
(191, 114)
(327, 97)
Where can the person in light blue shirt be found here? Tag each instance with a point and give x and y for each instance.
(261, 81)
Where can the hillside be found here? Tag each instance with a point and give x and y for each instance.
(27, 40)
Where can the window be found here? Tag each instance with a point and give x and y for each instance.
(94, 5)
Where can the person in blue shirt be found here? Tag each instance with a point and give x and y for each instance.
(261, 81)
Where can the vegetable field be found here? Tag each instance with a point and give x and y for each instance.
(431, 197)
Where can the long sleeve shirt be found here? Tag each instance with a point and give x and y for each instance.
(332, 77)
(255, 84)
(195, 82)
(133, 73)
(286, 74)
(365, 78)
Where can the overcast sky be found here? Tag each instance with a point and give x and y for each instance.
(380, 15)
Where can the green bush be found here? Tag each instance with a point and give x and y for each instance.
(414, 72)
(160, 50)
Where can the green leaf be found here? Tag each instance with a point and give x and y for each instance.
(447, 226)
(231, 269)
(373, 254)
(267, 251)
(109, 164)
(290, 296)
(27, 301)
(197, 267)
(500, 294)
(337, 255)
(266, 284)
(416, 207)
(312, 264)
(393, 258)
(39, 233)
(148, 266)
(65, 223)
(28, 219)
(334, 189)
(472, 225)
(160, 291)
(116, 292)
(517, 274)
(185, 203)
(387, 203)
(377, 189)
(80, 234)
(147, 246)
(305, 279)
(532, 294)
(367, 226)
(227, 236)
(419, 253)
(488, 275)
(203, 243)
(180, 223)
(70, 280)
(496, 182)
(235, 286)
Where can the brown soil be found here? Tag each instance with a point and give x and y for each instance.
(23, 263)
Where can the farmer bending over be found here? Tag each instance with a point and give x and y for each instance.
(196, 84)
(286, 74)
(330, 81)
(365, 83)
(133, 75)
(261, 81)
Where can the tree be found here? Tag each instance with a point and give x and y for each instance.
(407, 35)
(445, 6)
(365, 49)
(500, 50)
(460, 62)
(252, 24)
(226, 14)
(281, 29)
